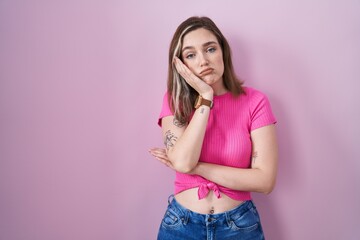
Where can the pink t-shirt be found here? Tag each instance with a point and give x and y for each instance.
(227, 138)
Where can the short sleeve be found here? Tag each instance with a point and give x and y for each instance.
(261, 113)
(165, 109)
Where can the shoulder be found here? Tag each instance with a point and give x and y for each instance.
(166, 98)
(259, 108)
(252, 91)
(165, 109)
(253, 95)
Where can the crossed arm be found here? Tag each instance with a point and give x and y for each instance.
(261, 177)
(183, 143)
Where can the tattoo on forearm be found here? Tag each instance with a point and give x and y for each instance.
(254, 156)
(202, 110)
(178, 123)
(170, 139)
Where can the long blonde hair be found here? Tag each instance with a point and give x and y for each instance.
(181, 95)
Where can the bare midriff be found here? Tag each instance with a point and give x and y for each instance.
(208, 205)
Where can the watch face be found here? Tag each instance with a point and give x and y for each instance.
(198, 102)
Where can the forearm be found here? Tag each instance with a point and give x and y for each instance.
(185, 153)
(185, 148)
(252, 179)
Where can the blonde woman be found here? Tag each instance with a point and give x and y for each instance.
(219, 137)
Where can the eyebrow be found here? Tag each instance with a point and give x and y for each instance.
(204, 45)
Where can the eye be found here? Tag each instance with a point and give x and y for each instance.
(190, 55)
(211, 49)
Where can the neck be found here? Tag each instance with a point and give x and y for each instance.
(219, 88)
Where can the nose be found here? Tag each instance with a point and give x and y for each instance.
(203, 60)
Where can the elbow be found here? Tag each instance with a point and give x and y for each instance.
(268, 188)
(183, 167)
(267, 191)
(182, 164)
(184, 170)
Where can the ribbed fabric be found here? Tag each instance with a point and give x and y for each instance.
(227, 138)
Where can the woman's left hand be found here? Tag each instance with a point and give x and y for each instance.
(160, 154)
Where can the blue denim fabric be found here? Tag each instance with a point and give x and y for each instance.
(240, 223)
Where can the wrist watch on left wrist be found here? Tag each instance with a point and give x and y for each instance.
(202, 101)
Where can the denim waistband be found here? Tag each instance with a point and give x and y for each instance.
(221, 218)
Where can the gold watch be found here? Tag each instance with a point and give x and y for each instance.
(202, 101)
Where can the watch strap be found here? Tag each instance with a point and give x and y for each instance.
(202, 101)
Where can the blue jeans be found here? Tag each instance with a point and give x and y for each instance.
(240, 223)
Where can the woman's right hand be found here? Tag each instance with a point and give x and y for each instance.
(199, 85)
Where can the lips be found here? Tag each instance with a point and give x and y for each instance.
(206, 71)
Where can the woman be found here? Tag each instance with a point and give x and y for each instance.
(219, 138)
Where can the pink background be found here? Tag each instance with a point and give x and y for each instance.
(81, 84)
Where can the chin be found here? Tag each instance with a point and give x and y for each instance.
(210, 81)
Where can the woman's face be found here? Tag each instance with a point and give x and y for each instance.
(202, 54)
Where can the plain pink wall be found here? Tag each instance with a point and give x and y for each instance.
(81, 84)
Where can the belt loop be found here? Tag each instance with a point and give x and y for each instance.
(228, 220)
(170, 198)
(251, 204)
(186, 217)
